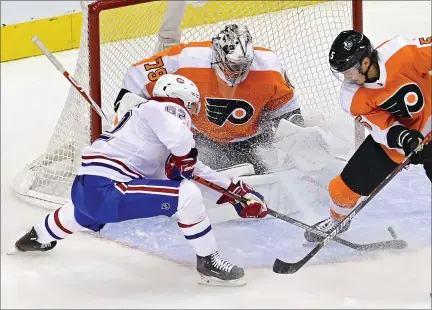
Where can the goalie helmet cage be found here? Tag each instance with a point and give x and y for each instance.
(118, 33)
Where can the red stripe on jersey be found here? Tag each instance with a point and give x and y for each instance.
(139, 188)
(57, 221)
(181, 225)
(122, 187)
(113, 160)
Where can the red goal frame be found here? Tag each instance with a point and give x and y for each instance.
(98, 6)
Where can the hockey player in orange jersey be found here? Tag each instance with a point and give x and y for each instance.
(388, 90)
(244, 90)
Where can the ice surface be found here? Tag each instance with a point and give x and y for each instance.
(151, 266)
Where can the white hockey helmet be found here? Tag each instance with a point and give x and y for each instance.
(233, 51)
(177, 86)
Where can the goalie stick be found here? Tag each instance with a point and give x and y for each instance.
(70, 78)
(282, 267)
(381, 245)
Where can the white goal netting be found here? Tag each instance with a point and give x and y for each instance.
(299, 32)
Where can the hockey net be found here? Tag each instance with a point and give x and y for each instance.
(118, 33)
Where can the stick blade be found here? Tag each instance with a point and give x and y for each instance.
(395, 244)
(282, 267)
(399, 244)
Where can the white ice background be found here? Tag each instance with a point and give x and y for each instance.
(89, 272)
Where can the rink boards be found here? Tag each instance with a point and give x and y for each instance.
(61, 33)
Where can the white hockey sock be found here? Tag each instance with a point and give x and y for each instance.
(200, 236)
(193, 220)
(57, 225)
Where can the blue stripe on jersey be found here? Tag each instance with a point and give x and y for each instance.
(198, 235)
(109, 167)
(49, 229)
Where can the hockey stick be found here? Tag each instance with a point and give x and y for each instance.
(218, 188)
(380, 245)
(282, 267)
(391, 244)
(70, 78)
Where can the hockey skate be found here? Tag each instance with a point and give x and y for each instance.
(28, 243)
(216, 271)
(325, 226)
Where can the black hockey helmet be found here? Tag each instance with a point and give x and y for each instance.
(349, 49)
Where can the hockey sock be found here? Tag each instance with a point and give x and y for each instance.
(57, 225)
(200, 236)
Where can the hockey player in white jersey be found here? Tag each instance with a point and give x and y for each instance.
(141, 168)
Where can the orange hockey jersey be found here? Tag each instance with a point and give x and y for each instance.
(401, 95)
(228, 113)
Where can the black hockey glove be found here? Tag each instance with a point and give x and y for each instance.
(410, 140)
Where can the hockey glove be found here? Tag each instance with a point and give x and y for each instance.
(256, 207)
(178, 168)
(410, 140)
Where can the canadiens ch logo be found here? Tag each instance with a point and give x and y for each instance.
(405, 102)
(235, 111)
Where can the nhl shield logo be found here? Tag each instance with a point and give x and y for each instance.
(166, 206)
(348, 45)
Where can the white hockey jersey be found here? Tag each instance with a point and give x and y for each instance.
(138, 146)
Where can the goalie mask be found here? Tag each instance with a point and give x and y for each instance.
(177, 86)
(233, 51)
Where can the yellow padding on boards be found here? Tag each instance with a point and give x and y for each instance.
(64, 32)
(55, 32)
(211, 12)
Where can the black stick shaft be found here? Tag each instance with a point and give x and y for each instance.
(359, 247)
(282, 267)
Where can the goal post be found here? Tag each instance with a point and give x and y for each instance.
(118, 33)
(357, 21)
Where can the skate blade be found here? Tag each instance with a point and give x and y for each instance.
(212, 281)
(13, 251)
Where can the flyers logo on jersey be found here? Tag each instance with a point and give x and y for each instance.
(235, 111)
(404, 102)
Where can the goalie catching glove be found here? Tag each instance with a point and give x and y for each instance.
(256, 207)
(181, 167)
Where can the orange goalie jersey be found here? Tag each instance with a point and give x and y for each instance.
(401, 95)
(228, 114)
